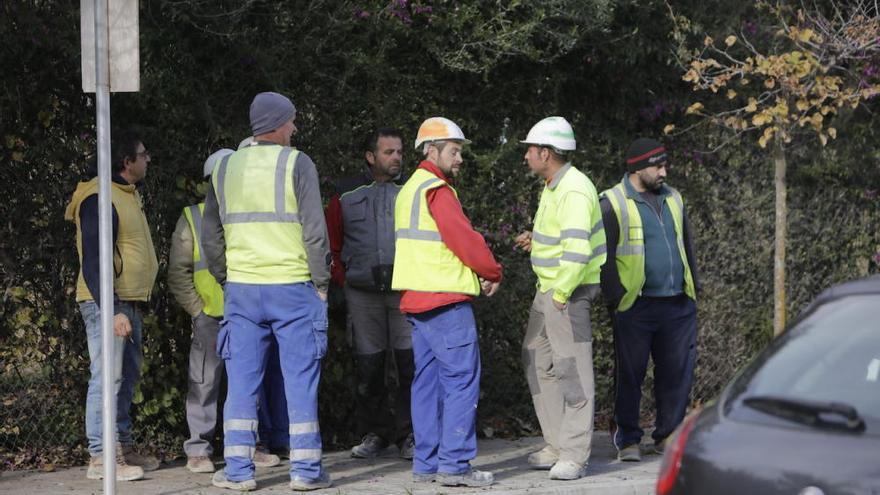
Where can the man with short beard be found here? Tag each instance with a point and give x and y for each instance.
(651, 292)
(360, 226)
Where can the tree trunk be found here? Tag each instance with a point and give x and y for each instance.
(779, 296)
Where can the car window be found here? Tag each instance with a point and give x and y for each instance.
(831, 355)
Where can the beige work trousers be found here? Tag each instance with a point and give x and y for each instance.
(558, 359)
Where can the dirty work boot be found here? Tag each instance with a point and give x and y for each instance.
(371, 446)
(630, 453)
(468, 478)
(219, 480)
(544, 458)
(408, 447)
(124, 472)
(199, 464)
(263, 459)
(146, 462)
(424, 477)
(567, 470)
(301, 484)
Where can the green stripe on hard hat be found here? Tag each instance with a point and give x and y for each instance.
(555, 132)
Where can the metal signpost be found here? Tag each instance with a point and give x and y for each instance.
(107, 36)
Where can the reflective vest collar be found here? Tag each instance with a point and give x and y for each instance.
(557, 177)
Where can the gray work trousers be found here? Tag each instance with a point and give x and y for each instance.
(205, 376)
(558, 360)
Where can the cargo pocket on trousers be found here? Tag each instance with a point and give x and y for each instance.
(197, 353)
(460, 336)
(319, 329)
(223, 341)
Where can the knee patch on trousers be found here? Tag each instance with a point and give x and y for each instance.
(569, 381)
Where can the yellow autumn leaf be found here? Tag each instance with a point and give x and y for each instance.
(708, 41)
(731, 94)
(696, 107)
(769, 83)
(802, 105)
(823, 139)
(832, 132)
(760, 119)
(730, 40)
(669, 128)
(804, 36)
(752, 106)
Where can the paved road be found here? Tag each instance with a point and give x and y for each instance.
(386, 475)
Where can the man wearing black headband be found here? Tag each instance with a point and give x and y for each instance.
(651, 292)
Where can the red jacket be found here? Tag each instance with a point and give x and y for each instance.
(460, 237)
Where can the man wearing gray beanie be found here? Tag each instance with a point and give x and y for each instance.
(265, 239)
(650, 284)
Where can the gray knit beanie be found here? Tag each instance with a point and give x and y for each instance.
(269, 111)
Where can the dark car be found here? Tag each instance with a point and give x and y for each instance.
(803, 418)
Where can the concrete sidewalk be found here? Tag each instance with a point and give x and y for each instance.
(386, 475)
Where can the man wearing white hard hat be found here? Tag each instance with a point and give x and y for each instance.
(196, 290)
(567, 246)
(441, 263)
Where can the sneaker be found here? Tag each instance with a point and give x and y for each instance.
(146, 462)
(630, 453)
(544, 458)
(219, 480)
(658, 446)
(408, 447)
(199, 464)
(469, 478)
(263, 459)
(567, 470)
(124, 471)
(424, 477)
(371, 446)
(301, 484)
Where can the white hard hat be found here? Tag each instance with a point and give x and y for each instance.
(555, 132)
(439, 129)
(246, 142)
(214, 159)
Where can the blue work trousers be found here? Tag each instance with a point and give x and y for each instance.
(297, 318)
(272, 411)
(445, 389)
(664, 328)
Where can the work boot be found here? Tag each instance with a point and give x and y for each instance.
(567, 470)
(630, 453)
(424, 477)
(124, 471)
(219, 480)
(301, 484)
(146, 462)
(371, 446)
(199, 464)
(263, 459)
(544, 458)
(408, 447)
(472, 478)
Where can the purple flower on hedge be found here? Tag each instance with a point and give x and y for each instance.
(361, 14)
(876, 258)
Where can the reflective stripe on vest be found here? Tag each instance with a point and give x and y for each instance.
(263, 231)
(206, 285)
(630, 257)
(422, 262)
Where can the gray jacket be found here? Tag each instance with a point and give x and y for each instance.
(368, 227)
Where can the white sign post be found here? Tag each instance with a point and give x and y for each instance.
(110, 61)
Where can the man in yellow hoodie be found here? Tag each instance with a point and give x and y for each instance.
(135, 267)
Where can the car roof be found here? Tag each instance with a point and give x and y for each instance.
(867, 285)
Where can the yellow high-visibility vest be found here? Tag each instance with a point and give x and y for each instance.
(260, 216)
(206, 285)
(630, 257)
(422, 262)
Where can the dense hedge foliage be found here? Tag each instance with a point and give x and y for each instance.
(495, 68)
